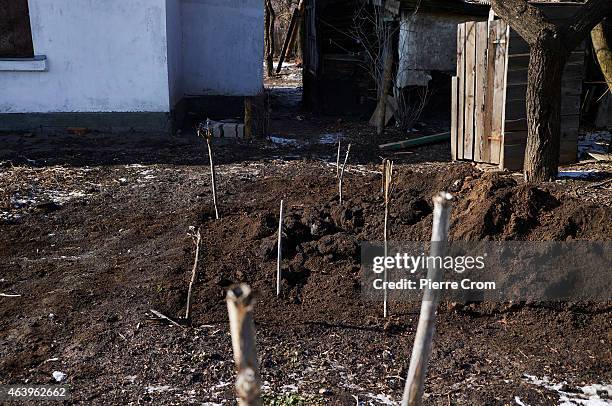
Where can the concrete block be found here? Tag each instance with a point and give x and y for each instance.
(227, 130)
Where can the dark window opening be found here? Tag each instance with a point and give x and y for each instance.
(15, 30)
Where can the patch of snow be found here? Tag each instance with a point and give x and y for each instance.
(330, 138)
(382, 399)
(19, 201)
(519, 401)
(61, 197)
(66, 258)
(146, 179)
(147, 175)
(58, 376)
(283, 141)
(131, 378)
(291, 388)
(578, 174)
(159, 388)
(593, 390)
(7, 216)
(589, 396)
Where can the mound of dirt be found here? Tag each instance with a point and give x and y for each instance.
(321, 239)
(496, 207)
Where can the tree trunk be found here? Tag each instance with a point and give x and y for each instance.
(269, 37)
(544, 111)
(385, 85)
(249, 119)
(602, 43)
(256, 116)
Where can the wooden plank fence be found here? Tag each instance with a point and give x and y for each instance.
(489, 115)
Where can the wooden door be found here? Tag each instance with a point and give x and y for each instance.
(478, 91)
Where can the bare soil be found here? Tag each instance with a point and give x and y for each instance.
(94, 234)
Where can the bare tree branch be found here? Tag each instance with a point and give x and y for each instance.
(524, 18)
(530, 23)
(585, 19)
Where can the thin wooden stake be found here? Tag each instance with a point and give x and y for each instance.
(421, 349)
(164, 317)
(213, 175)
(197, 240)
(279, 258)
(240, 301)
(387, 185)
(9, 295)
(348, 150)
(338, 161)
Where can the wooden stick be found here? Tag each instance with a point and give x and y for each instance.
(163, 316)
(348, 150)
(293, 26)
(421, 349)
(213, 179)
(208, 135)
(387, 183)
(248, 117)
(596, 185)
(338, 160)
(197, 240)
(279, 258)
(240, 303)
(8, 295)
(415, 142)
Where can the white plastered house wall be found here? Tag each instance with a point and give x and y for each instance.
(132, 56)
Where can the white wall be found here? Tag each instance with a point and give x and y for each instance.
(427, 42)
(222, 47)
(103, 56)
(137, 55)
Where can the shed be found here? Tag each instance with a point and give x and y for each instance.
(335, 80)
(489, 116)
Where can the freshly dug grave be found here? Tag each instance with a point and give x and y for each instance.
(90, 270)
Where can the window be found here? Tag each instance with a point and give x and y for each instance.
(15, 30)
